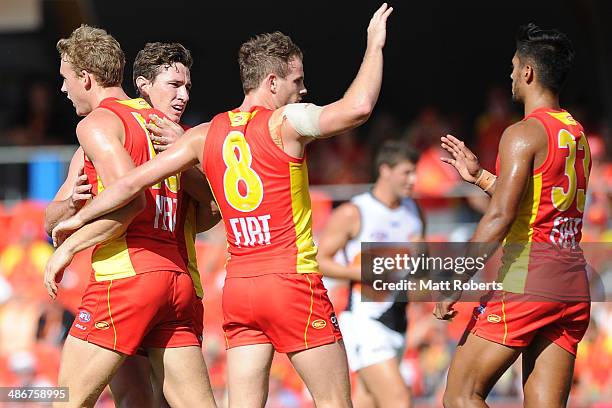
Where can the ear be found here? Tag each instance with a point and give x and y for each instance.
(528, 73)
(271, 82)
(87, 79)
(383, 170)
(143, 85)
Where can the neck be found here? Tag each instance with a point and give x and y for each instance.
(541, 99)
(257, 98)
(112, 92)
(385, 196)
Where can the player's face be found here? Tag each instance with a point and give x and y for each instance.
(291, 89)
(402, 178)
(169, 91)
(516, 78)
(74, 87)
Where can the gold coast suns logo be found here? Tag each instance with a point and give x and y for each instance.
(319, 324)
(102, 325)
(493, 318)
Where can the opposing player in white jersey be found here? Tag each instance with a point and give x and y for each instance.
(374, 331)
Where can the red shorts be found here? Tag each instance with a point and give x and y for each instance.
(514, 320)
(153, 309)
(290, 311)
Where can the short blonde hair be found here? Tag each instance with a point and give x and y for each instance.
(95, 51)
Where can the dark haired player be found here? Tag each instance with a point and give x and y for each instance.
(374, 332)
(537, 201)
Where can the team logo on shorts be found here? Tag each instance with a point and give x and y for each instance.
(319, 324)
(84, 316)
(493, 318)
(102, 325)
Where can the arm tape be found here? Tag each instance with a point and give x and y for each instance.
(304, 117)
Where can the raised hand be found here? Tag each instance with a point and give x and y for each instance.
(463, 160)
(164, 132)
(377, 30)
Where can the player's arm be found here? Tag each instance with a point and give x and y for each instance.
(467, 165)
(180, 156)
(343, 225)
(101, 136)
(306, 122)
(518, 147)
(194, 182)
(71, 196)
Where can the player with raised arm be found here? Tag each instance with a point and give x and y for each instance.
(140, 293)
(374, 331)
(253, 157)
(537, 202)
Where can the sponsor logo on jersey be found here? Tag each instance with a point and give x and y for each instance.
(102, 325)
(84, 316)
(80, 326)
(493, 318)
(319, 324)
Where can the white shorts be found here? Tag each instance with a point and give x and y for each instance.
(368, 341)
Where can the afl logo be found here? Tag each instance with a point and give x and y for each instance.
(102, 325)
(84, 316)
(493, 318)
(319, 324)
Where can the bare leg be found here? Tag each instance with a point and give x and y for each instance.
(131, 385)
(86, 369)
(324, 370)
(476, 367)
(547, 374)
(362, 397)
(386, 384)
(183, 375)
(248, 373)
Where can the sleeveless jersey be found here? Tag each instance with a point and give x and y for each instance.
(539, 256)
(262, 194)
(380, 223)
(150, 243)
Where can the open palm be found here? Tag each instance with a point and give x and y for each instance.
(462, 158)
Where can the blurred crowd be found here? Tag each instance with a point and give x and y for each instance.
(32, 328)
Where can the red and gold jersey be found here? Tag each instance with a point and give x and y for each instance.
(262, 194)
(150, 242)
(549, 218)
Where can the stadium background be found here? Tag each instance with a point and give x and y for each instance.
(447, 67)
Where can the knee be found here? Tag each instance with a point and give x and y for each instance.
(454, 399)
